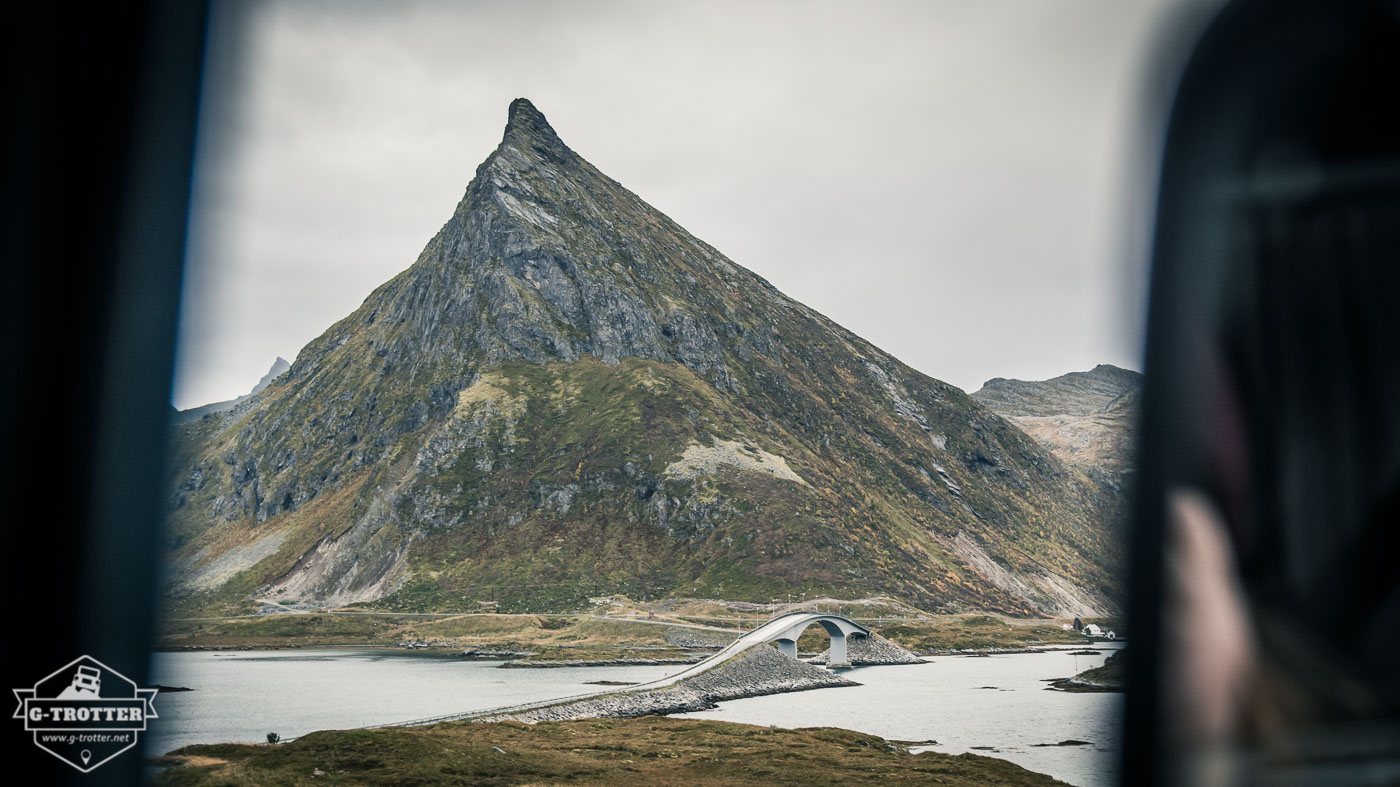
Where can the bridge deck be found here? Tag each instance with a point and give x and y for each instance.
(768, 632)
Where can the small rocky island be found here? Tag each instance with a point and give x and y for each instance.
(1108, 677)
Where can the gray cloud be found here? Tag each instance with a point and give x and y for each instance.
(950, 180)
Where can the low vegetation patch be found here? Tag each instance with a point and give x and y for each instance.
(478, 631)
(955, 633)
(1109, 677)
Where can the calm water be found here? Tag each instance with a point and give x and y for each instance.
(945, 700)
(241, 696)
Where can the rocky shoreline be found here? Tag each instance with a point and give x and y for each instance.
(624, 662)
(484, 654)
(1108, 677)
(699, 638)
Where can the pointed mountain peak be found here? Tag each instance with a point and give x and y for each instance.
(279, 367)
(526, 120)
(564, 359)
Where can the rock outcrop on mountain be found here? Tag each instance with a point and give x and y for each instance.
(568, 395)
(1087, 419)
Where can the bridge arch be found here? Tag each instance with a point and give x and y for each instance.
(785, 630)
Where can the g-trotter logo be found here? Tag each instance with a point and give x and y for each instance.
(85, 713)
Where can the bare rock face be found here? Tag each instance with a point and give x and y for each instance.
(567, 395)
(1087, 419)
(1076, 393)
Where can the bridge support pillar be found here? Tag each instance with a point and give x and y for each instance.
(788, 647)
(838, 651)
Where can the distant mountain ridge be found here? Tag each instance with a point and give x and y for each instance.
(1088, 419)
(1076, 393)
(279, 367)
(568, 395)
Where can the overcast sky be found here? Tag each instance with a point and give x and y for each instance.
(961, 183)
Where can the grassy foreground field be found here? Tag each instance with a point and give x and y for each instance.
(650, 750)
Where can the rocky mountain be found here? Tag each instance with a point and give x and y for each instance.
(568, 395)
(278, 368)
(1087, 419)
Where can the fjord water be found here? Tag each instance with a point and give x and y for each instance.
(998, 706)
(243, 695)
(994, 705)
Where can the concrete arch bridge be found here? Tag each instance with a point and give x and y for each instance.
(782, 631)
(785, 630)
